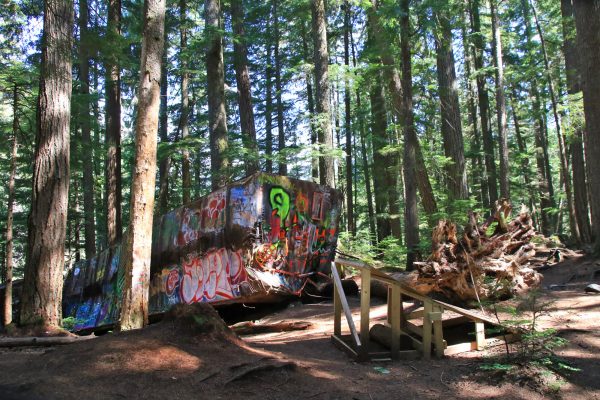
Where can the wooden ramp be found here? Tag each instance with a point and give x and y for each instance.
(415, 330)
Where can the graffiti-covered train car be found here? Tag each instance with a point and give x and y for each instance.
(263, 235)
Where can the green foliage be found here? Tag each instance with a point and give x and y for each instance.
(535, 350)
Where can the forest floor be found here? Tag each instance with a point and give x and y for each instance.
(167, 360)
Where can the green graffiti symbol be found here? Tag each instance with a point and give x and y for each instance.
(280, 201)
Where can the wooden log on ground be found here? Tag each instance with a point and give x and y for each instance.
(42, 341)
(250, 328)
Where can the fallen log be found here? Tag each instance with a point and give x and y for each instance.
(489, 261)
(42, 341)
(250, 328)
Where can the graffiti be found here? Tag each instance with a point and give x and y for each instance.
(190, 227)
(264, 234)
(317, 206)
(280, 203)
(213, 215)
(301, 203)
(243, 205)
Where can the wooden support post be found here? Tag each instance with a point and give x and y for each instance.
(427, 330)
(394, 317)
(337, 307)
(365, 308)
(438, 333)
(389, 304)
(480, 335)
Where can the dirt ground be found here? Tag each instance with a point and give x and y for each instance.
(166, 360)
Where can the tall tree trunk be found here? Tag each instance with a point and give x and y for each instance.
(163, 133)
(99, 159)
(482, 94)
(545, 186)
(379, 140)
(587, 20)
(564, 165)
(215, 77)
(113, 131)
(475, 149)
(186, 175)
(86, 142)
(138, 243)
(500, 102)
(411, 215)
(42, 286)
(522, 150)
(580, 191)
(364, 153)
(281, 158)
(454, 147)
(323, 125)
(242, 76)
(8, 269)
(311, 105)
(348, 123)
(396, 89)
(269, 100)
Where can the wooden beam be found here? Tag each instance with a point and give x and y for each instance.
(365, 308)
(340, 289)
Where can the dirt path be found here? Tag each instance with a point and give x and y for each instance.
(164, 362)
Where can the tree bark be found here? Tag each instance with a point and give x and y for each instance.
(564, 165)
(348, 122)
(42, 286)
(500, 102)
(323, 125)
(269, 100)
(379, 140)
(488, 141)
(475, 148)
(113, 132)
(186, 176)
(411, 215)
(580, 191)
(8, 269)
(395, 87)
(86, 142)
(215, 77)
(281, 158)
(242, 76)
(311, 106)
(163, 133)
(587, 20)
(545, 187)
(451, 128)
(138, 243)
(364, 154)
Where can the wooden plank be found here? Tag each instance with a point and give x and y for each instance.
(337, 308)
(470, 346)
(415, 314)
(480, 335)
(476, 317)
(341, 344)
(427, 330)
(340, 289)
(394, 303)
(365, 308)
(410, 327)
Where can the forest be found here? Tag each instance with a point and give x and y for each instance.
(214, 197)
(114, 112)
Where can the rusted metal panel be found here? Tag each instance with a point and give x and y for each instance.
(261, 236)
